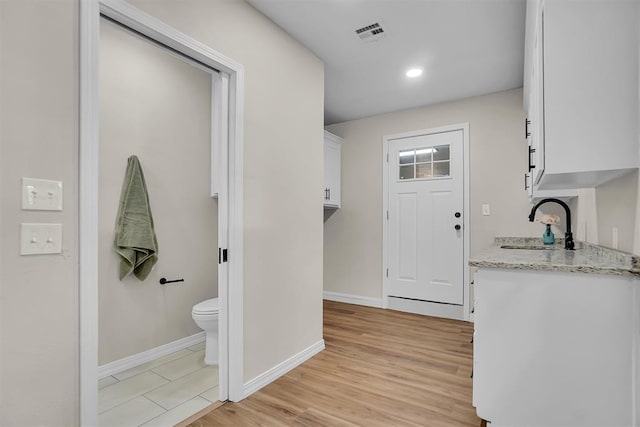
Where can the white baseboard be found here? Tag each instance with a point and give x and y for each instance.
(149, 355)
(427, 308)
(353, 299)
(282, 368)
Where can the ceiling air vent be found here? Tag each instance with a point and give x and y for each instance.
(371, 32)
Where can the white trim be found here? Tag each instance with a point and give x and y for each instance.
(230, 296)
(466, 275)
(137, 20)
(219, 130)
(220, 170)
(352, 299)
(88, 211)
(427, 308)
(385, 222)
(234, 292)
(129, 362)
(280, 369)
(464, 127)
(635, 393)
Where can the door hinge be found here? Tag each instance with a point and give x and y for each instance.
(387, 157)
(387, 215)
(387, 272)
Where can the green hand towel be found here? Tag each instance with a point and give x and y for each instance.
(135, 240)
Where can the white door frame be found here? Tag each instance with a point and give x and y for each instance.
(231, 297)
(464, 127)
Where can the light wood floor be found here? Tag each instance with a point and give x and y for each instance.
(379, 368)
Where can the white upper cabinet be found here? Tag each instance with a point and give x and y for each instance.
(581, 92)
(534, 124)
(332, 154)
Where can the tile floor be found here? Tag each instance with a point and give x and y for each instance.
(162, 392)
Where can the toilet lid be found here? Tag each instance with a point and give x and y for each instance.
(209, 306)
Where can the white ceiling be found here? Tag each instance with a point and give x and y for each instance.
(467, 48)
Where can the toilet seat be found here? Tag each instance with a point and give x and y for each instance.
(207, 307)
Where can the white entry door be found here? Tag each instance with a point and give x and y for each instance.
(425, 218)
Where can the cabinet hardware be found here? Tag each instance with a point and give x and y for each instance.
(527, 134)
(531, 151)
(526, 184)
(222, 255)
(329, 197)
(457, 227)
(457, 214)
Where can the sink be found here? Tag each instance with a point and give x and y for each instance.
(531, 247)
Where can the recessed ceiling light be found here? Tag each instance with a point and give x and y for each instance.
(414, 72)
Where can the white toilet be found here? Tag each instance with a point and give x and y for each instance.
(205, 314)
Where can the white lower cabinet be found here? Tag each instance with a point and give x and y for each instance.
(556, 349)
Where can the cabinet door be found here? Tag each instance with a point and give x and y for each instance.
(553, 348)
(530, 174)
(590, 92)
(331, 173)
(534, 101)
(535, 127)
(537, 102)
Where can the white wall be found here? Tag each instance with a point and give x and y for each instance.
(283, 177)
(616, 207)
(498, 152)
(38, 138)
(158, 107)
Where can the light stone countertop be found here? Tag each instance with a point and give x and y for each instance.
(586, 258)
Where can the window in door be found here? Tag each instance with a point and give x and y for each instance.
(424, 163)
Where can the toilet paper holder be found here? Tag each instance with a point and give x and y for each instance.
(164, 281)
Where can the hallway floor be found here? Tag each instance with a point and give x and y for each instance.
(159, 393)
(380, 368)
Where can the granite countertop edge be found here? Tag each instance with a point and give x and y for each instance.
(587, 258)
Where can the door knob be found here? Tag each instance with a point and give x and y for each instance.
(457, 227)
(457, 214)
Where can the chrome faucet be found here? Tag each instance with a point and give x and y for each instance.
(568, 236)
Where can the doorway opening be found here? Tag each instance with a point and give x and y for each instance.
(159, 106)
(226, 84)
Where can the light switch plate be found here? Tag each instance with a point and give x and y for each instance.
(41, 194)
(37, 239)
(486, 210)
